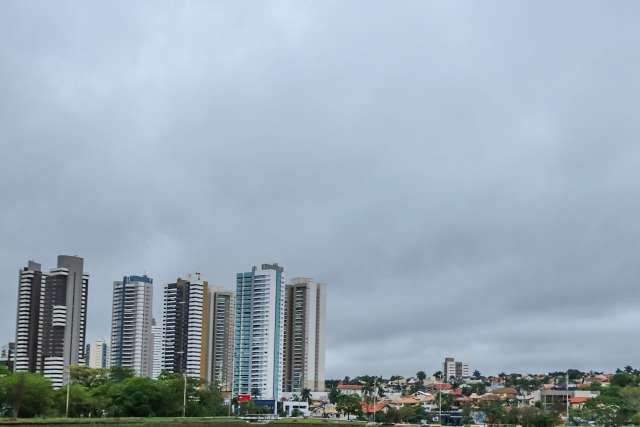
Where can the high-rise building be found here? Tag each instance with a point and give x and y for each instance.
(304, 327)
(186, 310)
(259, 318)
(131, 340)
(453, 369)
(158, 349)
(30, 286)
(221, 340)
(98, 355)
(63, 318)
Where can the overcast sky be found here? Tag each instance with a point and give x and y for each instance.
(463, 175)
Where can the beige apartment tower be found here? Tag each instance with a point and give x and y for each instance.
(221, 329)
(304, 328)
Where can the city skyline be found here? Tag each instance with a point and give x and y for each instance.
(463, 175)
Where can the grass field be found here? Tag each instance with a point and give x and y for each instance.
(124, 422)
(167, 422)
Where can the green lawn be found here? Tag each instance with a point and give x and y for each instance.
(128, 422)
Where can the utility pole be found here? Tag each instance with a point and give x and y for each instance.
(375, 393)
(184, 397)
(567, 422)
(68, 392)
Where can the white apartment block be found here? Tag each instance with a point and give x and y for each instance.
(304, 329)
(259, 331)
(158, 349)
(99, 357)
(131, 340)
(453, 369)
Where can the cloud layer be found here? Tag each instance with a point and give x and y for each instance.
(462, 175)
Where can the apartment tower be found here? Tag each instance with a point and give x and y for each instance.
(158, 349)
(453, 369)
(30, 285)
(221, 340)
(259, 318)
(186, 310)
(131, 340)
(98, 355)
(304, 327)
(63, 319)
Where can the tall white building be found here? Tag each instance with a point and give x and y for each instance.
(453, 369)
(186, 310)
(158, 349)
(131, 340)
(304, 328)
(259, 319)
(98, 356)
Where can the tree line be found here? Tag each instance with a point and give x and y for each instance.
(114, 392)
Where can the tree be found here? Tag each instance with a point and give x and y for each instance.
(81, 403)
(306, 395)
(349, 404)
(27, 394)
(334, 394)
(476, 374)
(623, 379)
(438, 375)
(120, 373)
(421, 376)
(90, 377)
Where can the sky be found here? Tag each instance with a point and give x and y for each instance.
(462, 174)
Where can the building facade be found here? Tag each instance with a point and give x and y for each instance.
(304, 328)
(63, 317)
(186, 311)
(221, 340)
(131, 339)
(259, 318)
(30, 285)
(158, 349)
(98, 355)
(453, 369)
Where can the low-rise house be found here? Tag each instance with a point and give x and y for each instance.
(351, 389)
(370, 408)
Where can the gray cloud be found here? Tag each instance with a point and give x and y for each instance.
(463, 175)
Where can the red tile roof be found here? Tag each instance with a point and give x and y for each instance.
(350, 387)
(578, 400)
(443, 386)
(368, 408)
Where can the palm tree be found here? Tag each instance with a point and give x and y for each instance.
(306, 395)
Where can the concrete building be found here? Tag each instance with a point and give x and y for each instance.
(98, 355)
(158, 349)
(259, 319)
(453, 369)
(186, 311)
(131, 340)
(221, 340)
(63, 317)
(30, 285)
(304, 328)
